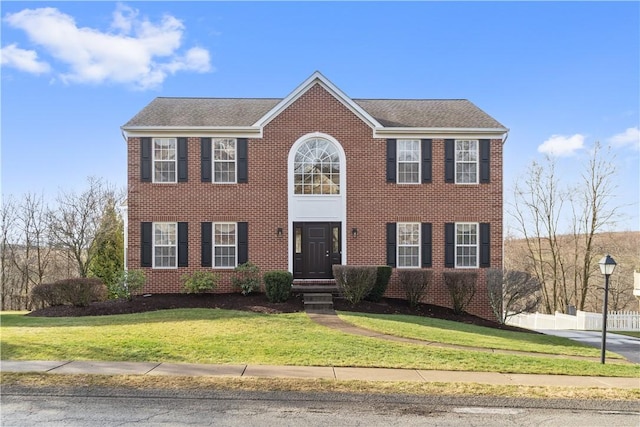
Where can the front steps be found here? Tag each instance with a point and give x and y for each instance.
(317, 295)
(318, 302)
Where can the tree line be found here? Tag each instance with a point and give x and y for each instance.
(81, 234)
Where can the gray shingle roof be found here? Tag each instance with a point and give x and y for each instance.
(215, 112)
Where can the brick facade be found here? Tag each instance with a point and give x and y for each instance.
(262, 201)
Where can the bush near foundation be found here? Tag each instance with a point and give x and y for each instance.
(355, 282)
(80, 291)
(200, 282)
(462, 288)
(277, 285)
(382, 282)
(247, 278)
(415, 284)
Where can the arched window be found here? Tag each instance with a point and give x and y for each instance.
(317, 168)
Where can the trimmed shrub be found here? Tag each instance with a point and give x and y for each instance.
(462, 288)
(277, 285)
(129, 283)
(200, 282)
(355, 282)
(247, 278)
(382, 282)
(415, 284)
(80, 291)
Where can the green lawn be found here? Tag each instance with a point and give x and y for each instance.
(447, 332)
(235, 337)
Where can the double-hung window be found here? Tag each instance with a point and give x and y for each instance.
(164, 159)
(408, 245)
(466, 161)
(467, 245)
(408, 154)
(224, 160)
(224, 245)
(165, 245)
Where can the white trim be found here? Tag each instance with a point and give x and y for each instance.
(213, 245)
(316, 207)
(235, 162)
(203, 132)
(439, 133)
(153, 246)
(317, 78)
(153, 161)
(477, 245)
(407, 246)
(419, 162)
(456, 162)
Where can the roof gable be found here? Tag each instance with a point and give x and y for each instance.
(318, 78)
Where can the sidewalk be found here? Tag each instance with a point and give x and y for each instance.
(311, 372)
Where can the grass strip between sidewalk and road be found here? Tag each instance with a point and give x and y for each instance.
(215, 336)
(137, 382)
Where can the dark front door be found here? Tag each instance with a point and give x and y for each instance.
(316, 248)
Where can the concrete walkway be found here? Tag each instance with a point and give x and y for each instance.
(312, 372)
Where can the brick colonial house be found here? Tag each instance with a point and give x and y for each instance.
(310, 180)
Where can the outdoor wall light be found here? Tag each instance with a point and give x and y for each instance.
(607, 265)
(354, 232)
(279, 232)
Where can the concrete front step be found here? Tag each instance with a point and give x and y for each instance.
(318, 302)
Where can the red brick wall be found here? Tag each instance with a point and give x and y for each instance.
(262, 202)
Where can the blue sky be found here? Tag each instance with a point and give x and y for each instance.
(559, 75)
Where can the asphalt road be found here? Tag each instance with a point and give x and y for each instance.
(628, 347)
(26, 407)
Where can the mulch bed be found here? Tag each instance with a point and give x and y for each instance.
(256, 302)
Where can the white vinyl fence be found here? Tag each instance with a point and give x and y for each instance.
(583, 320)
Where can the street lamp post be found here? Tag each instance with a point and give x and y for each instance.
(607, 265)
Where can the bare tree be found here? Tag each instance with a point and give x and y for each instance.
(7, 221)
(564, 261)
(537, 209)
(512, 292)
(75, 225)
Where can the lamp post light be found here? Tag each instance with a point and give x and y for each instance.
(607, 265)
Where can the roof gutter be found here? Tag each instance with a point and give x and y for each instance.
(194, 131)
(421, 132)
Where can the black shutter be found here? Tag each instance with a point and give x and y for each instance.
(391, 244)
(206, 235)
(449, 160)
(485, 245)
(426, 244)
(485, 153)
(426, 160)
(449, 245)
(243, 242)
(146, 244)
(145, 159)
(183, 244)
(205, 161)
(241, 157)
(183, 174)
(391, 160)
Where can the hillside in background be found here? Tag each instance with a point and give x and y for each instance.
(562, 271)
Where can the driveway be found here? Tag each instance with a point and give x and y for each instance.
(628, 347)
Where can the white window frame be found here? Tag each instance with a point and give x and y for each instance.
(234, 161)
(157, 245)
(234, 245)
(418, 161)
(175, 160)
(417, 245)
(459, 162)
(463, 245)
(332, 150)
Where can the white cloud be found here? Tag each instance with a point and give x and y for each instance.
(23, 60)
(562, 146)
(630, 138)
(136, 51)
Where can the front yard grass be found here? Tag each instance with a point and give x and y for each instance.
(237, 337)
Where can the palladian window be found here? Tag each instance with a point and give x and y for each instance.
(317, 168)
